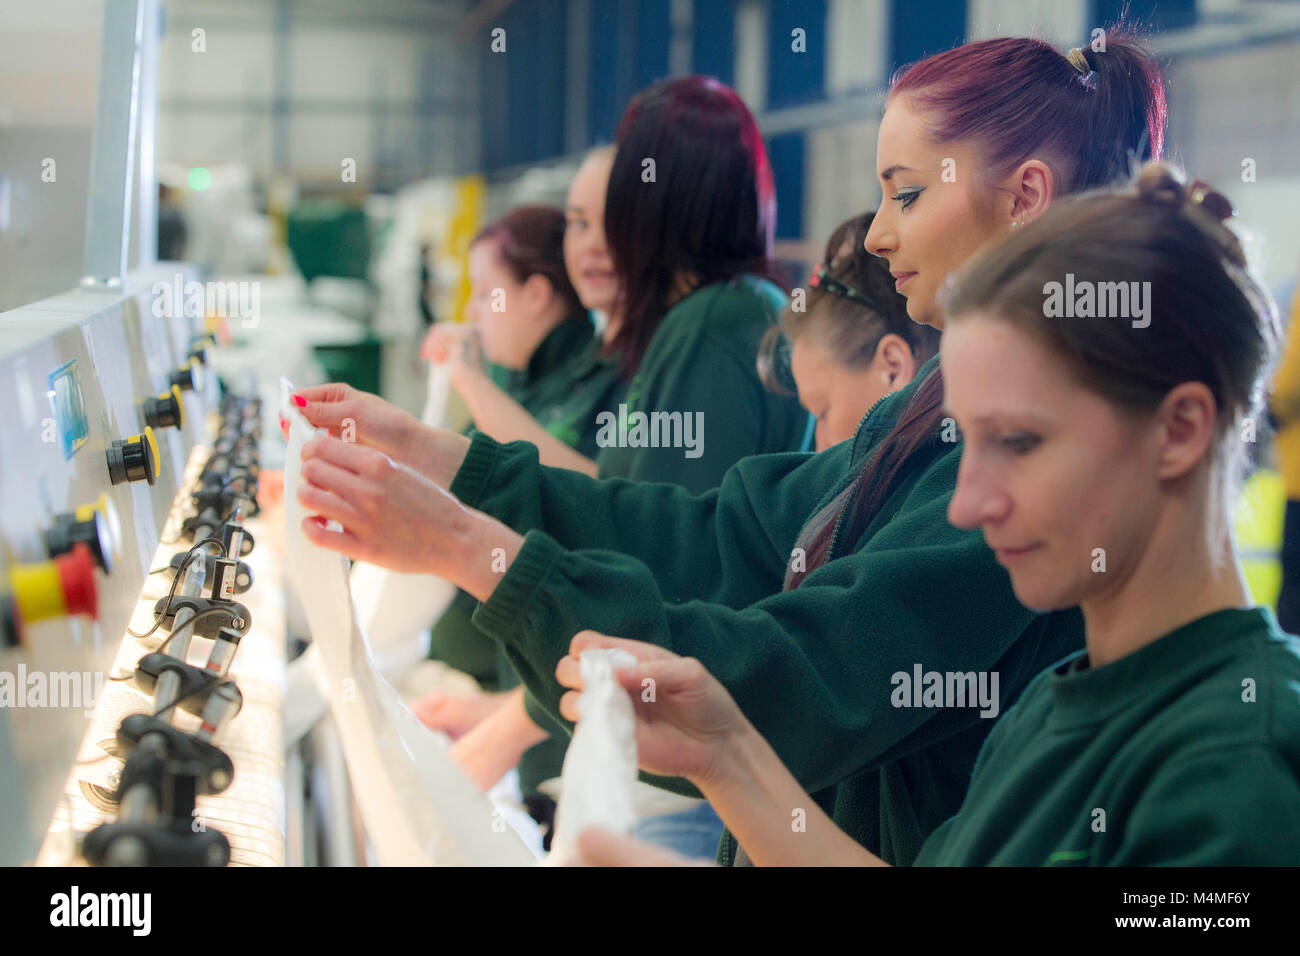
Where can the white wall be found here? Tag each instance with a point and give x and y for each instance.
(857, 36)
(400, 94)
(1063, 22)
(49, 67)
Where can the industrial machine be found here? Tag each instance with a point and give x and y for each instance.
(141, 671)
(124, 472)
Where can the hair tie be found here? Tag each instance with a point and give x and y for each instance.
(1205, 196)
(1079, 60)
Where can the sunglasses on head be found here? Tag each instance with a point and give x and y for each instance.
(821, 278)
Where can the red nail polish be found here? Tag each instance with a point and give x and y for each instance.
(300, 401)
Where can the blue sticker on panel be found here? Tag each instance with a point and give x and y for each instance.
(69, 408)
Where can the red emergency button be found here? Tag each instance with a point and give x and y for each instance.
(77, 574)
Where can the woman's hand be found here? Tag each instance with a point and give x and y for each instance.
(457, 714)
(686, 722)
(395, 517)
(364, 419)
(457, 345)
(598, 847)
(497, 743)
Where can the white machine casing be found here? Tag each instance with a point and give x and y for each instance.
(125, 348)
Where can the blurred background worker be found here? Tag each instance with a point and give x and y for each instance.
(1280, 578)
(527, 363)
(525, 355)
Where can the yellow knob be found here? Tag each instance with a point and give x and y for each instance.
(87, 512)
(180, 406)
(153, 450)
(37, 591)
(104, 505)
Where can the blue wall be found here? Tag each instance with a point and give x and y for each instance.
(713, 39)
(796, 77)
(523, 89)
(1155, 14)
(786, 153)
(917, 30)
(628, 43)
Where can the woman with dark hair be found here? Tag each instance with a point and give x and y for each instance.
(1174, 737)
(804, 583)
(850, 342)
(689, 219)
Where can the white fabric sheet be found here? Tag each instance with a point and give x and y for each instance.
(418, 806)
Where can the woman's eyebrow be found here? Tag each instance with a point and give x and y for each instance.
(896, 168)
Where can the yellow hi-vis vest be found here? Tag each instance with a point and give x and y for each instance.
(1258, 530)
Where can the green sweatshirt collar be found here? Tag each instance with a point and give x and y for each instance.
(561, 345)
(1083, 696)
(876, 423)
(884, 415)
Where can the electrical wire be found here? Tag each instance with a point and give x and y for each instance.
(171, 593)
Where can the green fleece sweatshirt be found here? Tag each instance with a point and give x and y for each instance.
(811, 667)
(693, 409)
(696, 405)
(1185, 752)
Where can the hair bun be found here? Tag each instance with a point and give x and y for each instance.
(1162, 185)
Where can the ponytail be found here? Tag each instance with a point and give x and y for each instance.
(1126, 115)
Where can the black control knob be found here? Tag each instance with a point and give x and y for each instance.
(88, 527)
(165, 410)
(134, 459)
(188, 377)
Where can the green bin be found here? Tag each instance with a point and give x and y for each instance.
(357, 363)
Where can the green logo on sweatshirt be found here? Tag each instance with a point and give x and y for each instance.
(1067, 856)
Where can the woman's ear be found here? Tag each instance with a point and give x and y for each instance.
(538, 293)
(1188, 416)
(1033, 187)
(895, 360)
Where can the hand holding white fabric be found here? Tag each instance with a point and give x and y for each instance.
(600, 767)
